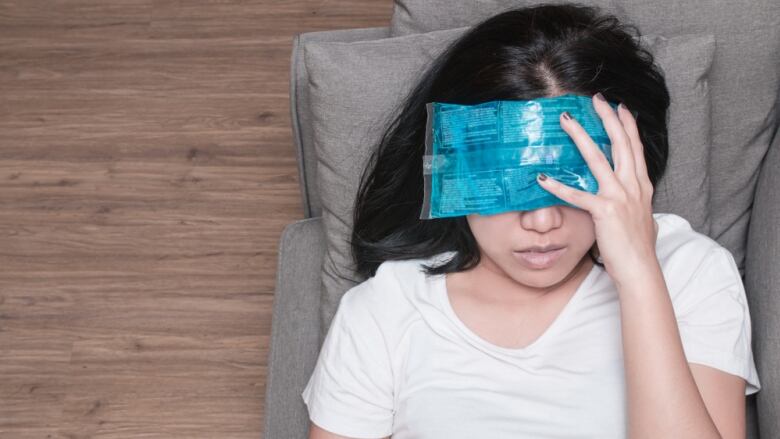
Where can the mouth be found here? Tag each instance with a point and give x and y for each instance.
(539, 259)
(541, 249)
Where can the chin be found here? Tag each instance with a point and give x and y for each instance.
(538, 278)
(549, 276)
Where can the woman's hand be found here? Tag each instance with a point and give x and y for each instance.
(621, 210)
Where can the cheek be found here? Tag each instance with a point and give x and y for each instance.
(588, 232)
(582, 223)
(586, 238)
(492, 236)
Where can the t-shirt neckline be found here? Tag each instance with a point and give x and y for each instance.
(446, 305)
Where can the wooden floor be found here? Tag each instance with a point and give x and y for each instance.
(146, 172)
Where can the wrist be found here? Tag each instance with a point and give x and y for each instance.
(638, 274)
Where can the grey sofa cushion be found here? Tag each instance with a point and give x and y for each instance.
(743, 80)
(349, 111)
(299, 108)
(295, 331)
(762, 283)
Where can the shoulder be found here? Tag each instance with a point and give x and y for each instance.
(392, 285)
(388, 301)
(678, 243)
(394, 296)
(675, 232)
(709, 300)
(379, 291)
(687, 256)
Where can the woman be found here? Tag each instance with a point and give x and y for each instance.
(504, 336)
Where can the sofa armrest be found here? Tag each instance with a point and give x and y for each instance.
(295, 338)
(762, 284)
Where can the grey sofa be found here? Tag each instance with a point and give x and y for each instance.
(751, 232)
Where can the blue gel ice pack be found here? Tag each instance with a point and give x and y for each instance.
(484, 158)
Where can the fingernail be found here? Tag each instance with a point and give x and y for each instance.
(600, 97)
(566, 115)
(541, 176)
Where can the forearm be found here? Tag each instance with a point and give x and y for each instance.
(663, 399)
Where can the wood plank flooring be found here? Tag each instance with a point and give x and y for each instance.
(146, 172)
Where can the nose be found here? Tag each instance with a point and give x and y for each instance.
(542, 220)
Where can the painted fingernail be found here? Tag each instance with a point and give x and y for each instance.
(541, 176)
(600, 97)
(566, 115)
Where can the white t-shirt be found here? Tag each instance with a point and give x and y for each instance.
(398, 361)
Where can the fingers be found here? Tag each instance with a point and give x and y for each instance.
(630, 176)
(594, 157)
(625, 167)
(581, 199)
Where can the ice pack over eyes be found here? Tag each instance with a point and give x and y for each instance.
(484, 158)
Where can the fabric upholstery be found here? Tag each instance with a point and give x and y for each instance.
(299, 108)
(295, 339)
(762, 286)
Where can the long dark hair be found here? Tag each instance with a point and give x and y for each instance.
(520, 54)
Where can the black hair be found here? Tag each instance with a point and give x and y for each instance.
(519, 54)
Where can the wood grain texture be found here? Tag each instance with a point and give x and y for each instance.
(147, 170)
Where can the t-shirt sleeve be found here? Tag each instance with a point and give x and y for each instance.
(350, 391)
(714, 319)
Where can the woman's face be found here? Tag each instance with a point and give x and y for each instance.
(502, 236)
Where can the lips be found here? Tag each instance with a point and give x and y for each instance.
(542, 249)
(539, 260)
